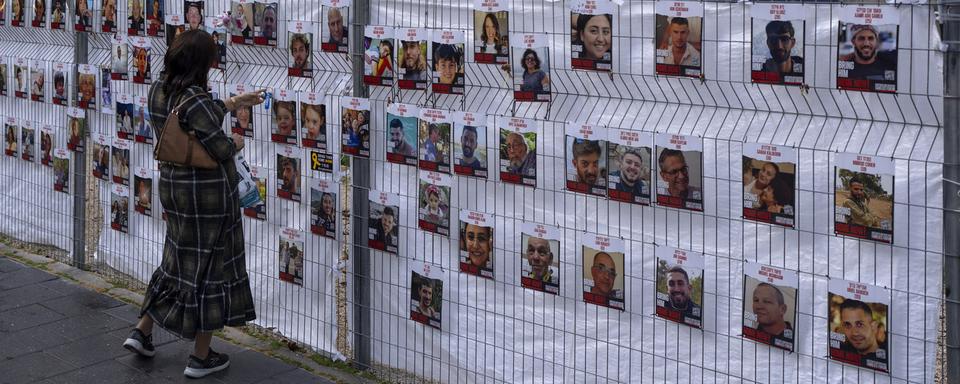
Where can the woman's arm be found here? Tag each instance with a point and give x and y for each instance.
(205, 117)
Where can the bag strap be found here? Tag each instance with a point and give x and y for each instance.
(176, 110)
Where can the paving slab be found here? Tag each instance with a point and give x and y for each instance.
(25, 317)
(32, 367)
(22, 277)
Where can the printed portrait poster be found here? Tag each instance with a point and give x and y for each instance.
(108, 16)
(447, 51)
(86, 86)
(82, 15)
(283, 127)
(58, 14)
(258, 211)
(680, 284)
(384, 223)
(101, 157)
(174, 27)
(61, 83)
(604, 267)
(135, 18)
(125, 116)
(4, 74)
(241, 119)
(76, 126)
(21, 75)
(336, 20)
(300, 44)
(28, 141)
(120, 208)
(679, 38)
(680, 171)
(323, 208)
(859, 324)
(38, 74)
(540, 257)
(155, 17)
(193, 15)
(628, 164)
(143, 191)
(778, 37)
(402, 127)
(46, 145)
(291, 256)
(119, 57)
(378, 49)
(770, 305)
(412, 58)
(863, 197)
(39, 14)
(288, 173)
(106, 91)
(11, 137)
(218, 32)
(265, 22)
(61, 170)
(434, 204)
(17, 12)
(470, 144)
(3, 12)
(434, 140)
(867, 48)
(121, 161)
(355, 126)
(141, 60)
(141, 121)
(518, 150)
(476, 243)
(586, 158)
(241, 22)
(313, 120)
(321, 161)
(531, 72)
(426, 293)
(769, 180)
(491, 20)
(591, 39)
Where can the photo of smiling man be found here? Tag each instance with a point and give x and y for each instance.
(679, 38)
(586, 158)
(680, 286)
(769, 305)
(603, 271)
(859, 324)
(868, 38)
(540, 257)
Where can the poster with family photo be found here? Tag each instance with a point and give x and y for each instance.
(491, 41)
(517, 144)
(291, 256)
(39, 14)
(629, 166)
(135, 18)
(680, 283)
(119, 57)
(679, 38)
(402, 126)
(258, 211)
(412, 58)
(769, 180)
(334, 31)
(434, 140)
(283, 119)
(141, 60)
(540, 257)
(355, 126)
(101, 157)
(58, 14)
(86, 86)
(470, 144)
(21, 76)
(76, 126)
(61, 83)
(531, 72)
(868, 40)
(447, 54)
(323, 208)
(384, 224)
(313, 120)
(106, 91)
(82, 15)
(863, 197)
(174, 27)
(193, 15)
(120, 161)
(241, 118)
(770, 305)
(46, 145)
(603, 271)
(586, 158)
(591, 39)
(378, 48)
(434, 203)
(265, 23)
(108, 16)
(288, 173)
(426, 293)
(141, 121)
(778, 43)
(155, 18)
(38, 74)
(11, 137)
(241, 22)
(214, 26)
(859, 324)
(476, 243)
(300, 45)
(680, 171)
(28, 150)
(143, 191)
(125, 116)
(120, 208)
(61, 170)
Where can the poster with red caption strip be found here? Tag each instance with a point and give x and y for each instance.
(135, 22)
(101, 157)
(155, 14)
(241, 119)
(769, 183)
(76, 127)
(141, 121)
(141, 59)
(323, 207)
(87, 86)
(433, 205)
(355, 126)
(39, 14)
(125, 116)
(540, 257)
(218, 33)
(288, 172)
(106, 91)
(21, 77)
(867, 46)
(517, 144)
(476, 243)
(678, 39)
(778, 43)
(680, 282)
(858, 321)
(470, 144)
(291, 256)
(120, 161)
(300, 44)
(629, 160)
(38, 80)
(5, 72)
(82, 15)
(61, 170)
(680, 171)
(58, 15)
(863, 197)
(384, 225)
(17, 16)
(586, 158)
(334, 30)
(604, 269)
(402, 126)
(283, 117)
(3, 18)
(174, 27)
(47, 140)
(426, 293)
(447, 59)
(119, 57)
(313, 120)
(241, 22)
(412, 66)
(28, 140)
(11, 137)
(143, 191)
(379, 67)
(531, 71)
(120, 208)
(265, 22)
(770, 305)
(434, 141)
(193, 11)
(258, 211)
(61, 83)
(591, 47)
(108, 16)
(491, 42)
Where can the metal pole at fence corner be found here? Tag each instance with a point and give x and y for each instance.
(361, 187)
(79, 169)
(950, 16)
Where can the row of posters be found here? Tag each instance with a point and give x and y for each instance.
(31, 80)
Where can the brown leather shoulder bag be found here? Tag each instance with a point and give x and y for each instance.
(179, 147)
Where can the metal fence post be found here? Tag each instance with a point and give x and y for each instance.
(361, 186)
(950, 15)
(79, 170)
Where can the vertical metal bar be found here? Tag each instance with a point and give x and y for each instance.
(950, 14)
(361, 186)
(80, 169)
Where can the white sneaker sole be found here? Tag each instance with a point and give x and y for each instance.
(196, 373)
(134, 346)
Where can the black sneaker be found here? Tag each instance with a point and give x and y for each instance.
(140, 344)
(215, 362)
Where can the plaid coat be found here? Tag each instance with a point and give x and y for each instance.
(202, 283)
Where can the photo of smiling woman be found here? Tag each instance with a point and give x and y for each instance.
(476, 243)
(591, 35)
(491, 20)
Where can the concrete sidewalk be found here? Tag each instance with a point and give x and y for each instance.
(55, 331)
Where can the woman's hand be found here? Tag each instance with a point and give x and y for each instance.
(249, 99)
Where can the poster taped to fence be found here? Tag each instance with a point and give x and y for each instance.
(777, 51)
(470, 144)
(770, 305)
(531, 71)
(258, 211)
(378, 49)
(402, 127)
(412, 58)
(769, 179)
(680, 171)
(447, 51)
(867, 46)
(859, 324)
(355, 126)
(143, 191)
(517, 145)
(476, 243)
(426, 293)
(291, 256)
(313, 120)
(434, 203)
(628, 163)
(586, 158)
(679, 38)
(119, 208)
(863, 197)
(241, 118)
(384, 230)
(283, 127)
(604, 271)
(434, 140)
(288, 172)
(334, 31)
(591, 45)
(680, 282)
(323, 207)
(61, 170)
(491, 20)
(540, 257)
(300, 45)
